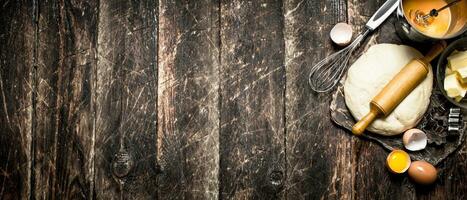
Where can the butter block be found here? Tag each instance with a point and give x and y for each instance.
(453, 87)
(448, 71)
(457, 60)
(462, 75)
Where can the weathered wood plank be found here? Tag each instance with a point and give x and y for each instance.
(125, 91)
(252, 152)
(451, 181)
(188, 108)
(17, 38)
(66, 56)
(319, 155)
(372, 179)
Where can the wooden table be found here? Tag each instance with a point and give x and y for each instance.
(185, 100)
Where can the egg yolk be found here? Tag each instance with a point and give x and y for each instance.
(398, 161)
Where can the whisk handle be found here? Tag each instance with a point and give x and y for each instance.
(382, 14)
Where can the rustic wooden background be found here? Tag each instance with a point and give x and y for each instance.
(201, 99)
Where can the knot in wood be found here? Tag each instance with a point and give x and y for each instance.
(158, 168)
(122, 164)
(275, 179)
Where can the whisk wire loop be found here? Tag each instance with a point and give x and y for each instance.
(326, 73)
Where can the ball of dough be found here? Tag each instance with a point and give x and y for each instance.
(370, 73)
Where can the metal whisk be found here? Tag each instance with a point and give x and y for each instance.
(423, 19)
(327, 73)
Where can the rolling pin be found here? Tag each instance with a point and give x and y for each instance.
(398, 88)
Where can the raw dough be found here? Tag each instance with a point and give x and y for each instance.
(371, 72)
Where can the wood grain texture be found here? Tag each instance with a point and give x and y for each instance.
(452, 176)
(66, 57)
(252, 156)
(188, 100)
(208, 99)
(372, 179)
(125, 90)
(319, 155)
(17, 38)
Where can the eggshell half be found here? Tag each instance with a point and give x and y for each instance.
(407, 162)
(414, 139)
(341, 34)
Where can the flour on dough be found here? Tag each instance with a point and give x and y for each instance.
(371, 72)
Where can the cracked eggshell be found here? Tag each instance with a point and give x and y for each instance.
(414, 139)
(341, 34)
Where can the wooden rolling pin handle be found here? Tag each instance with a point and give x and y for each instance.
(361, 125)
(434, 51)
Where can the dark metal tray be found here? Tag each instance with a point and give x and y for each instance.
(434, 123)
